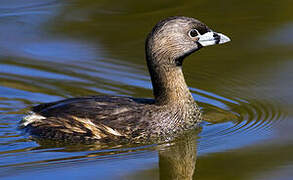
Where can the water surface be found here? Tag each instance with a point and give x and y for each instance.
(50, 50)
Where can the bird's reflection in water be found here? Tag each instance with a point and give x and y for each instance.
(178, 160)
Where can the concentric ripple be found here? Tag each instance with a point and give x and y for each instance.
(227, 119)
(237, 119)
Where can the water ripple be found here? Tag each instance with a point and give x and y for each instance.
(248, 119)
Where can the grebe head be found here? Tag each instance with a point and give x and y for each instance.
(174, 38)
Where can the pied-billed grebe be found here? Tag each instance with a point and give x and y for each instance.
(116, 119)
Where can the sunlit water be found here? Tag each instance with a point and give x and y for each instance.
(52, 50)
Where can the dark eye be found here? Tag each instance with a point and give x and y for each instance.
(193, 33)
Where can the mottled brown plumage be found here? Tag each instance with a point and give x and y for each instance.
(123, 119)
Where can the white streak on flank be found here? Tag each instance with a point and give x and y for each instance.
(30, 118)
(112, 131)
(120, 110)
(90, 126)
(96, 128)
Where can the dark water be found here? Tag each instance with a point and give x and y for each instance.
(50, 50)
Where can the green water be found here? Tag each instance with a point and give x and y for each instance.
(50, 50)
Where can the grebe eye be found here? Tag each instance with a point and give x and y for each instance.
(193, 33)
